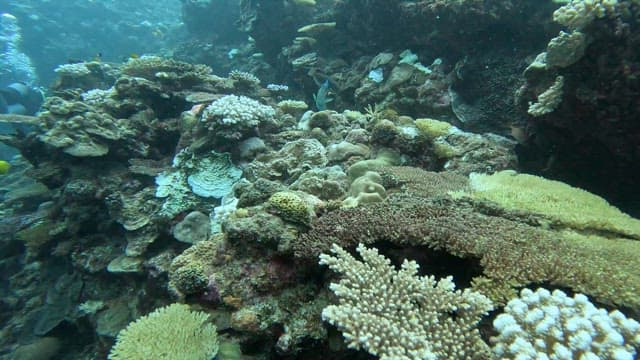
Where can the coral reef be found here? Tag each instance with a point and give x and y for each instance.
(391, 129)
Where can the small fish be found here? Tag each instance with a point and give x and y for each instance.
(519, 133)
(134, 56)
(4, 167)
(97, 57)
(322, 97)
(158, 33)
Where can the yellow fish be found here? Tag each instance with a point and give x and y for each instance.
(4, 167)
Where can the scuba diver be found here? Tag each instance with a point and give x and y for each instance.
(16, 99)
(20, 99)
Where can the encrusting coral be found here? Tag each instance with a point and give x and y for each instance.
(290, 207)
(398, 315)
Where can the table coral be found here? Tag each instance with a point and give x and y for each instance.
(562, 203)
(511, 246)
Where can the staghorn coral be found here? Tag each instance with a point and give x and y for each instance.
(170, 333)
(542, 325)
(400, 315)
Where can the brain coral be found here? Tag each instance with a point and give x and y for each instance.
(290, 207)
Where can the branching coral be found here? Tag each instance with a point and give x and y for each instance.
(543, 325)
(548, 100)
(235, 116)
(399, 315)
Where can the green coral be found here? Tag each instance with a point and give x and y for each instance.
(562, 203)
(432, 128)
(189, 271)
(190, 279)
(173, 332)
(290, 207)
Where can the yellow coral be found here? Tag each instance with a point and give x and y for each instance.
(169, 333)
(290, 207)
(432, 128)
(563, 204)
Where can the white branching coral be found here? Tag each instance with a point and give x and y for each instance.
(544, 325)
(73, 70)
(548, 100)
(398, 315)
(237, 110)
